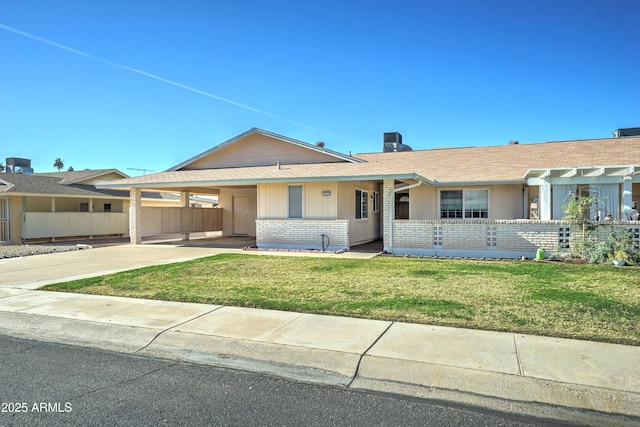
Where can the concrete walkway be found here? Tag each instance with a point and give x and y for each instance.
(586, 382)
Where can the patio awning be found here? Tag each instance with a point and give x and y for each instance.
(584, 171)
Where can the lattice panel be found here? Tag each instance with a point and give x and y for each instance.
(564, 237)
(437, 236)
(492, 239)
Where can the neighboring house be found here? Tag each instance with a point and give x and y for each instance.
(67, 204)
(497, 201)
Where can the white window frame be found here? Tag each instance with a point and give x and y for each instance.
(464, 209)
(363, 208)
(376, 201)
(301, 201)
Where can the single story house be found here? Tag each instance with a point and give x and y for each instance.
(494, 201)
(36, 206)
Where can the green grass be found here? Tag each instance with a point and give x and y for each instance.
(590, 302)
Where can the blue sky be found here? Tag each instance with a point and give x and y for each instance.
(442, 73)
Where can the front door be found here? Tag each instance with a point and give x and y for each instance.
(402, 206)
(241, 215)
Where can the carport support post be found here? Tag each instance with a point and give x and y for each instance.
(545, 200)
(135, 216)
(627, 202)
(388, 200)
(184, 203)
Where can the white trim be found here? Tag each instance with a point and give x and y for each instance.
(463, 189)
(366, 198)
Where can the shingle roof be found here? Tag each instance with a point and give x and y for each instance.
(71, 177)
(43, 184)
(504, 163)
(511, 162)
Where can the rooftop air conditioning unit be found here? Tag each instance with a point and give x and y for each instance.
(391, 142)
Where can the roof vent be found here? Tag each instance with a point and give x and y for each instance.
(392, 143)
(320, 144)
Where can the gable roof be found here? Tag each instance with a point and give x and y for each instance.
(451, 166)
(72, 177)
(331, 156)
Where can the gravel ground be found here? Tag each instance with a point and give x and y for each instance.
(13, 251)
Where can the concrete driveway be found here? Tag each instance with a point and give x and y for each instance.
(35, 271)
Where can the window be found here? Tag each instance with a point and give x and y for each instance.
(464, 204)
(107, 207)
(451, 204)
(84, 207)
(295, 201)
(476, 203)
(362, 204)
(376, 201)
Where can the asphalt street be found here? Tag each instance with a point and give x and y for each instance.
(54, 385)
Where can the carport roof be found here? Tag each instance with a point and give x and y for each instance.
(63, 184)
(51, 185)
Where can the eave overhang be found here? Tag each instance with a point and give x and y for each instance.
(478, 183)
(204, 184)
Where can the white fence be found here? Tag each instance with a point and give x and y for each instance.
(157, 220)
(38, 225)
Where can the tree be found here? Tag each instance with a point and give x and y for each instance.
(71, 169)
(577, 212)
(58, 164)
(1, 167)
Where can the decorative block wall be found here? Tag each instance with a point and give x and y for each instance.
(482, 238)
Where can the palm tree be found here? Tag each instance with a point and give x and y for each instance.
(58, 164)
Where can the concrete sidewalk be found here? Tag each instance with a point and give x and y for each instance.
(590, 383)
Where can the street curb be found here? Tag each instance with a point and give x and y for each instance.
(295, 362)
(558, 400)
(111, 337)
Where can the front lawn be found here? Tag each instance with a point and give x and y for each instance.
(590, 302)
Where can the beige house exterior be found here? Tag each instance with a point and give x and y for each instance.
(48, 206)
(498, 201)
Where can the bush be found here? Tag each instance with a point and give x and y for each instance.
(599, 253)
(619, 245)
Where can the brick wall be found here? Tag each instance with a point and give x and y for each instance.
(302, 234)
(135, 216)
(482, 238)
